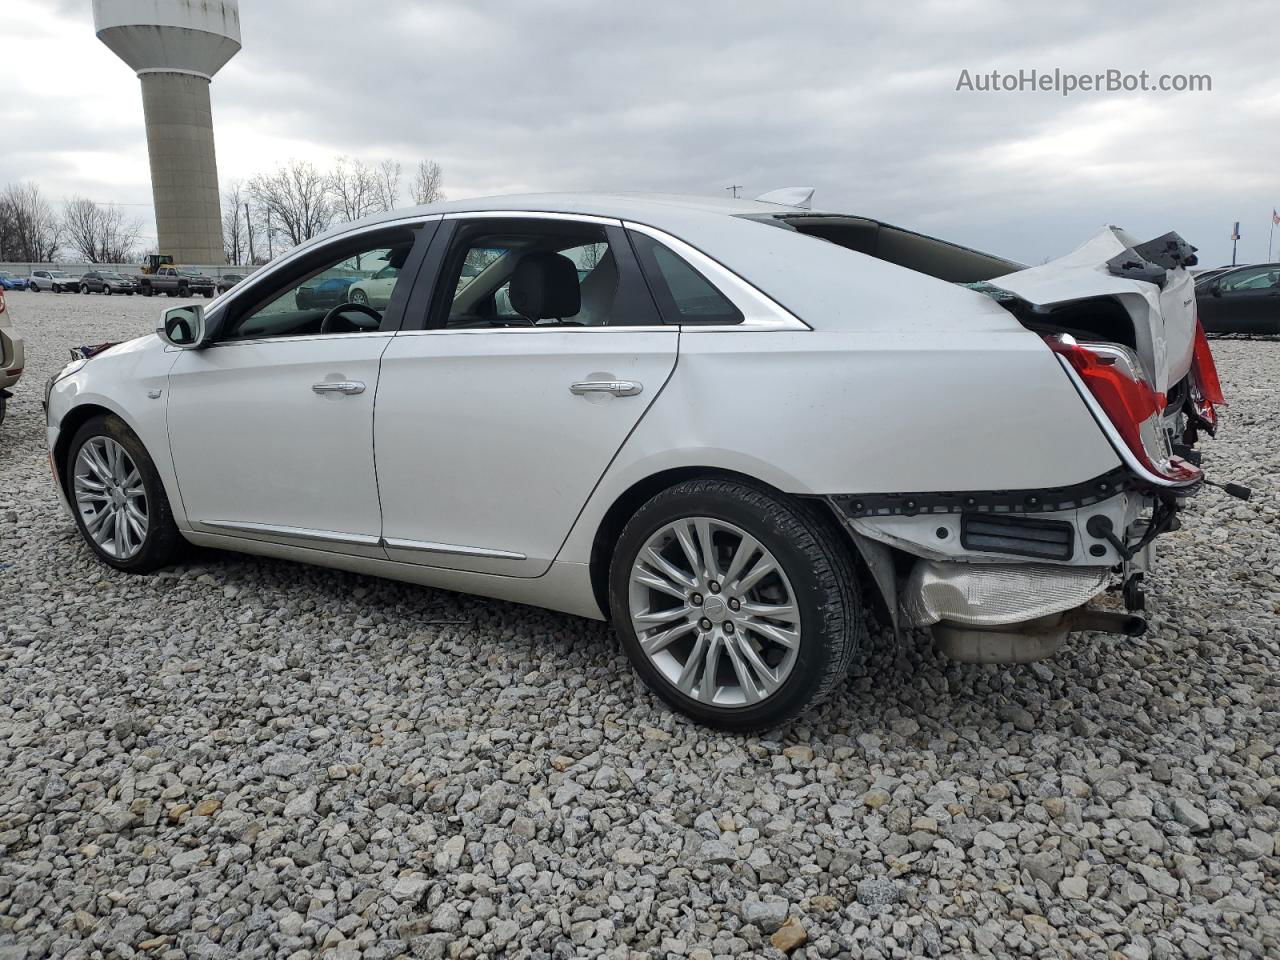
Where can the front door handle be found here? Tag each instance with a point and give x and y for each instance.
(619, 388)
(347, 387)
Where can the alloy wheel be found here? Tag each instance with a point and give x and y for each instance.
(110, 497)
(714, 612)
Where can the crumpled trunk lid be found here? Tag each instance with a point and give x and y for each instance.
(1149, 280)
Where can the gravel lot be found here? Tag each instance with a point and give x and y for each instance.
(247, 758)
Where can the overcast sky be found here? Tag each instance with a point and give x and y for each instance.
(857, 100)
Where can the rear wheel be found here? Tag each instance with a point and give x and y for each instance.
(738, 606)
(118, 499)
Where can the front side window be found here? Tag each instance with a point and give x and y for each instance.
(533, 273)
(683, 294)
(347, 292)
(1256, 279)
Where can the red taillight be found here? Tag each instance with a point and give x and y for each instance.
(1205, 369)
(1129, 403)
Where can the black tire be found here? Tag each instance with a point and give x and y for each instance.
(147, 291)
(4, 405)
(84, 288)
(163, 542)
(33, 288)
(360, 297)
(57, 288)
(106, 289)
(183, 290)
(816, 561)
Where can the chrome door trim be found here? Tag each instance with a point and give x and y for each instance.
(549, 328)
(301, 338)
(294, 533)
(759, 311)
(450, 549)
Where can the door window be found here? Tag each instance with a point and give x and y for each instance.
(1260, 278)
(347, 290)
(533, 273)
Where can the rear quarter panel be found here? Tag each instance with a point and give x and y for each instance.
(862, 411)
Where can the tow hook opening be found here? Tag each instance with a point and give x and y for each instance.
(1029, 640)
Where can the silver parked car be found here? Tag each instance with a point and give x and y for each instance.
(58, 281)
(738, 429)
(12, 356)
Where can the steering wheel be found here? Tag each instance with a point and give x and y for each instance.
(330, 322)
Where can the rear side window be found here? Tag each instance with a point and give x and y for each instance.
(683, 294)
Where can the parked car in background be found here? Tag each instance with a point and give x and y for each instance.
(55, 280)
(1240, 300)
(98, 282)
(375, 291)
(177, 282)
(700, 418)
(228, 280)
(11, 281)
(11, 356)
(328, 292)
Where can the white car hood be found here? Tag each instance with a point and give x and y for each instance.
(1164, 319)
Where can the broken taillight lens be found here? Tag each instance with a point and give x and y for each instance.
(1205, 370)
(1114, 378)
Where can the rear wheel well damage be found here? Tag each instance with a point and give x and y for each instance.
(638, 494)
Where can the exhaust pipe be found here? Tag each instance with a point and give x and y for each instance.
(1107, 621)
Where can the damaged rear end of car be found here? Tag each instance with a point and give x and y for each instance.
(1002, 576)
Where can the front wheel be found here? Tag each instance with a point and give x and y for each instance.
(360, 297)
(106, 289)
(119, 502)
(737, 605)
(57, 288)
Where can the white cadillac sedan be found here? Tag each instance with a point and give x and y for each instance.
(737, 429)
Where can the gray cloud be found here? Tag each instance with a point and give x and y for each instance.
(861, 103)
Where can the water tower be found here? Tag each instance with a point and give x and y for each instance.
(176, 46)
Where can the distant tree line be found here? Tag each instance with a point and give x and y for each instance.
(31, 231)
(274, 211)
(260, 217)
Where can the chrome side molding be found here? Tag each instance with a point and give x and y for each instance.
(359, 539)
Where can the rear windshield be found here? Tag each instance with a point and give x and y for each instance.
(927, 255)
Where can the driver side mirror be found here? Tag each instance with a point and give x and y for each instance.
(182, 327)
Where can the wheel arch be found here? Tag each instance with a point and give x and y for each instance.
(635, 496)
(68, 427)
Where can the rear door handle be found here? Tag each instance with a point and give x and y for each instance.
(348, 387)
(619, 388)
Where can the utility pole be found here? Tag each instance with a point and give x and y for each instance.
(248, 225)
(734, 188)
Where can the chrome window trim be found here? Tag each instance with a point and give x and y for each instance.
(301, 338)
(759, 311)
(450, 549)
(532, 215)
(549, 328)
(294, 533)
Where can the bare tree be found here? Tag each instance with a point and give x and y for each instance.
(99, 233)
(80, 227)
(386, 187)
(427, 183)
(28, 226)
(353, 185)
(296, 199)
(235, 246)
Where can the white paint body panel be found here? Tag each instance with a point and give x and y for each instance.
(481, 445)
(252, 443)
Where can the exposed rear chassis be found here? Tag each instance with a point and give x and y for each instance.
(1101, 531)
